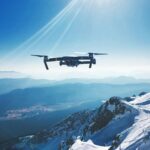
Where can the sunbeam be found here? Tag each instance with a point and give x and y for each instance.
(27, 45)
(66, 30)
(37, 42)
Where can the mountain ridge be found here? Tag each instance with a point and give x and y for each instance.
(116, 118)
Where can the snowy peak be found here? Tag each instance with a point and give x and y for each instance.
(130, 125)
(109, 110)
(115, 105)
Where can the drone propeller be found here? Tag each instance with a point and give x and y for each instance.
(90, 53)
(40, 55)
(98, 53)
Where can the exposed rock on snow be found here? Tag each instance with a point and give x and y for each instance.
(114, 107)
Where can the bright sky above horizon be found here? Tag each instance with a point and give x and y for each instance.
(61, 27)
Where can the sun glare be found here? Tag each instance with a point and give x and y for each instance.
(101, 2)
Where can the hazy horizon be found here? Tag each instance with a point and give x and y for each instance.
(19, 75)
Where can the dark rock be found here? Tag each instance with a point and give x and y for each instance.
(142, 93)
(104, 115)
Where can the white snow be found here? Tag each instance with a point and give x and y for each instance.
(137, 131)
(141, 128)
(89, 145)
(111, 108)
(136, 136)
(141, 99)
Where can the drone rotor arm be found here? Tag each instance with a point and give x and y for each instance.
(100, 54)
(55, 59)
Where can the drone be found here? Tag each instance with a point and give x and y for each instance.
(71, 61)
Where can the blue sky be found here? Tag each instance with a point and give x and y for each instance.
(21, 19)
(60, 27)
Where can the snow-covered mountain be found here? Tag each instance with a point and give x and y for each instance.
(117, 124)
(137, 136)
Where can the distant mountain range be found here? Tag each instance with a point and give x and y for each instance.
(65, 93)
(109, 80)
(10, 84)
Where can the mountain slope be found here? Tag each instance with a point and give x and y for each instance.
(114, 125)
(137, 136)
